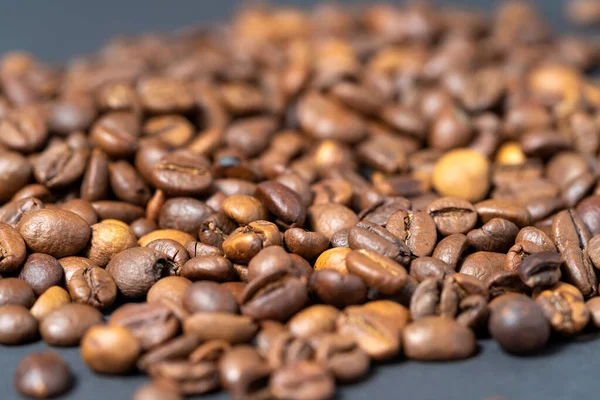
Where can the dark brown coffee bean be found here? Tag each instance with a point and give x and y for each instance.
(110, 349)
(172, 130)
(332, 287)
(482, 264)
(16, 291)
(569, 228)
(209, 297)
(181, 175)
(244, 209)
(211, 267)
(214, 325)
(216, 228)
(452, 128)
(376, 270)
(429, 267)
(269, 260)
(177, 348)
(12, 248)
(12, 212)
(282, 202)
(15, 173)
(17, 325)
(274, 296)
(244, 374)
(564, 308)
(164, 95)
(306, 244)
(380, 212)
(285, 349)
(594, 250)
(327, 219)
(127, 184)
(340, 238)
(342, 357)
(66, 325)
(373, 332)
(43, 375)
(151, 324)
(500, 282)
(175, 254)
(313, 321)
(142, 226)
(135, 270)
(184, 214)
(189, 378)
(197, 249)
(438, 338)
(536, 237)
(368, 236)
(109, 238)
(41, 271)
(95, 182)
(118, 210)
(73, 264)
(451, 249)
(93, 286)
(518, 324)
(302, 380)
(71, 112)
(245, 242)
(505, 209)
(589, 211)
(417, 229)
(541, 269)
(577, 269)
(250, 135)
(593, 307)
(58, 233)
(23, 129)
(498, 235)
(452, 215)
(60, 165)
(83, 208)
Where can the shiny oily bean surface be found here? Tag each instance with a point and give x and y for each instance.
(438, 338)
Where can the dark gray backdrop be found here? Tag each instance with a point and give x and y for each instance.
(56, 30)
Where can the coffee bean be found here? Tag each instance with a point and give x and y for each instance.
(109, 238)
(334, 259)
(541, 269)
(462, 173)
(58, 233)
(175, 254)
(376, 270)
(189, 379)
(438, 338)
(505, 209)
(118, 210)
(429, 267)
(244, 374)
(16, 291)
(452, 215)
(110, 349)
(171, 234)
(16, 172)
(500, 282)
(250, 135)
(66, 325)
(306, 244)
(568, 227)
(564, 307)
(338, 191)
(482, 265)
(94, 185)
(179, 175)
(163, 95)
(274, 296)
(216, 325)
(23, 129)
(314, 320)
(302, 380)
(60, 164)
(368, 236)
(135, 270)
(244, 209)
(497, 235)
(537, 237)
(340, 238)
(381, 211)
(212, 267)
(593, 307)
(127, 184)
(83, 208)
(50, 300)
(93, 286)
(577, 269)
(183, 213)
(518, 324)
(170, 287)
(209, 297)
(173, 130)
(152, 391)
(42, 375)
(17, 325)
(216, 227)
(13, 249)
(341, 356)
(416, 229)
(336, 289)
(589, 211)
(245, 242)
(285, 349)
(282, 202)
(12, 212)
(177, 348)
(327, 219)
(451, 249)
(142, 226)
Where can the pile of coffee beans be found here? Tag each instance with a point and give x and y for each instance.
(273, 206)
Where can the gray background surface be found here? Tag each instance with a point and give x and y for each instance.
(56, 30)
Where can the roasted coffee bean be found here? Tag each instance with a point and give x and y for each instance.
(209, 297)
(197, 249)
(497, 235)
(245, 242)
(482, 264)
(189, 378)
(340, 238)
(163, 95)
(12, 248)
(381, 211)
(336, 289)
(372, 237)
(452, 215)
(438, 338)
(12, 212)
(342, 357)
(172, 130)
(43, 375)
(244, 209)
(118, 210)
(183, 213)
(73, 264)
(244, 374)
(52, 299)
(71, 112)
(306, 244)
(334, 259)
(171, 234)
(135, 270)
(17, 325)
(462, 174)
(376, 270)
(177, 348)
(95, 182)
(314, 320)
(505, 209)
(541, 269)
(175, 254)
(274, 296)
(451, 249)
(338, 191)
(577, 269)
(16, 291)
(285, 349)
(110, 349)
(66, 325)
(151, 324)
(56, 232)
(500, 282)
(593, 306)
(83, 208)
(215, 229)
(94, 286)
(269, 260)
(589, 211)
(16, 172)
(170, 287)
(153, 391)
(568, 227)
(373, 332)
(518, 324)
(109, 238)
(23, 129)
(281, 201)
(142, 226)
(181, 175)
(536, 237)
(211, 267)
(564, 308)
(429, 267)
(216, 325)
(127, 184)
(327, 219)
(60, 165)
(302, 380)
(417, 229)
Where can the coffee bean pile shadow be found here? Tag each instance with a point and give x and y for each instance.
(274, 205)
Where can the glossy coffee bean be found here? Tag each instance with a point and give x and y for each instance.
(109, 238)
(181, 175)
(135, 270)
(498, 235)
(226, 326)
(13, 249)
(541, 269)
(244, 373)
(313, 320)
(66, 325)
(110, 349)
(183, 213)
(52, 299)
(209, 297)
(564, 308)
(282, 202)
(416, 229)
(336, 289)
(43, 375)
(16, 172)
(306, 244)
(92, 285)
(451, 249)
(170, 287)
(173, 251)
(377, 271)
(17, 325)
(16, 291)
(302, 380)
(12, 212)
(83, 208)
(211, 267)
(452, 215)
(327, 219)
(245, 242)
(342, 357)
(438, 338)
